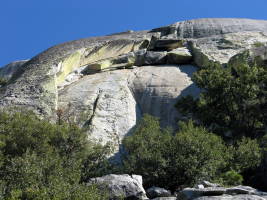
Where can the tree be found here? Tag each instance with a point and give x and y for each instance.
(190, 155)
(40, 160)
(169, 160)
(233, 99)
(145, 151)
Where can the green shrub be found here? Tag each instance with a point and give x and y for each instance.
(40, 160)
(232, 178)
(246, 154)
(145, 151)
(196, 154)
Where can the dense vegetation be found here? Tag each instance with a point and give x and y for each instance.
(233, 100)
(186, 157)
(40, 160)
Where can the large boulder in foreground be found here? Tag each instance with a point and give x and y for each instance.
(121, 186)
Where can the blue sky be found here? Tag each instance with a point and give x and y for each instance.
(31, 26)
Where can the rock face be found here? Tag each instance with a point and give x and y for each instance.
(9, 70)
(200, 28)
(35, 85)
(121, 186)
(221, 48)
(110, 103)
(107, 83)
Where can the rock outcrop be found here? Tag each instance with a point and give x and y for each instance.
(221, 193)
(121, 186)
(130, 187)
(155, 192)
(107, 83)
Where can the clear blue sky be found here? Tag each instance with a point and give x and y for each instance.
(31, 26)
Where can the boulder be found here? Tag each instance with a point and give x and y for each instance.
(179, 56)
(154, 192)
(192, 193)
(118, 186)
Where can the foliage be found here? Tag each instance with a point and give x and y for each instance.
(246, 154)
(192, 154)
(196, 154)
(145, 151)
(40, 160)
(231, 177)
(233, 98)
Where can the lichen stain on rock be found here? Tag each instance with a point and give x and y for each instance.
(107, 51)
(68, 65)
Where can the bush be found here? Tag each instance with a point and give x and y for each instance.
(40, 160)
(232, 178)
(246, 154)
(145, 151)
(196, 155)
(168, 160)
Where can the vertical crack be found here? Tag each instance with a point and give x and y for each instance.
(89, 122)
